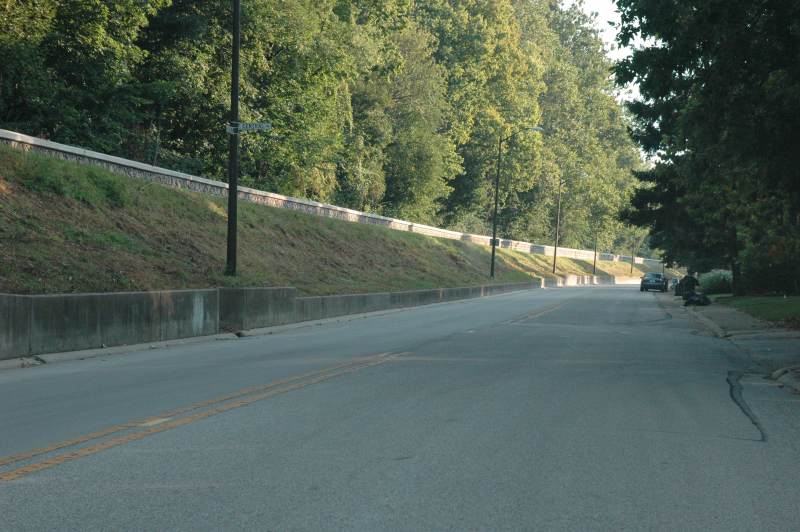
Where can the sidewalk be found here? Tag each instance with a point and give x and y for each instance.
(775, 349)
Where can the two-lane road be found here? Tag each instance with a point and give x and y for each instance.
(582, 409)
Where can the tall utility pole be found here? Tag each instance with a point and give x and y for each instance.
(500, 142)
(496, 199)
(558, 222)
(594, 264)
(233, 154)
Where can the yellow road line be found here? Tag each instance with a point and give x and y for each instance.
(536, 314)
(166, 420)
(157, 421)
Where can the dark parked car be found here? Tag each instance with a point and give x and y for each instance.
(654, 281)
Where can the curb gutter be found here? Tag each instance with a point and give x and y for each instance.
(789, 377)
(49, 358)
(718, 331)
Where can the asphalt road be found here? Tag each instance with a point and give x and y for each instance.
(576, 409)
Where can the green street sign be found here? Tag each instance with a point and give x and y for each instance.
(243, 127)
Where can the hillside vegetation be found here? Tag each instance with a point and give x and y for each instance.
(393, 106)
(71, 228)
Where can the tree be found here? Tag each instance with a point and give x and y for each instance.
(720, 87)
(389, 106)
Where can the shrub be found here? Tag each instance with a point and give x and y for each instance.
(716, 282)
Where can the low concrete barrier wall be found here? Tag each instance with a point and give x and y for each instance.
(33, 325)
(578, 280)
(15, 326)
(320, 307)
(252, 308)
(625, 280)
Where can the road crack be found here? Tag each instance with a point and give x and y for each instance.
(735, 386)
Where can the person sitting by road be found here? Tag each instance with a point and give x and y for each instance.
(690, 282)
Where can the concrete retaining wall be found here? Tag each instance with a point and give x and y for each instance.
(171, 178)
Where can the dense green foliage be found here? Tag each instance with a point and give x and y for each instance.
(389, 106)
(720, 106)
(716, 282)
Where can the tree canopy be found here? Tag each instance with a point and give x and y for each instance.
(720, 109)
(392, 106)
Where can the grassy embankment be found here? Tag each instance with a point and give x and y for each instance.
(72, 228)
(784, 310)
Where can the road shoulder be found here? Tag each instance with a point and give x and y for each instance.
(774, 349)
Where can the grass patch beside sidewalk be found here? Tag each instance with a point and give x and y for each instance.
(781, 309)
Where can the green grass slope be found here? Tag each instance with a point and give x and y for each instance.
(66, 227)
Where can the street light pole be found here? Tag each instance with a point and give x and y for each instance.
(594, 265)
(496, 200)
(558, 222)
(233, 153)
(500, 142)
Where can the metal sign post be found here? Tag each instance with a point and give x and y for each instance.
(233, 154)
(234, 128)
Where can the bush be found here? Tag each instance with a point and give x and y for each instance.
(716, 282)
(771, 265)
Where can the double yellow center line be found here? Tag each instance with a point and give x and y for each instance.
(175, 418)
(536, 313)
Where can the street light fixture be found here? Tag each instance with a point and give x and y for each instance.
(500, 142)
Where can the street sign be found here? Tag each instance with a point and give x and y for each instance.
(243, 127)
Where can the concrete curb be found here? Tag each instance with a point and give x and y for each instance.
(789, 377)
(718, 331)
(765, 334)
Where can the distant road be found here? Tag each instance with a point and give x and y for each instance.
(577, 409)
